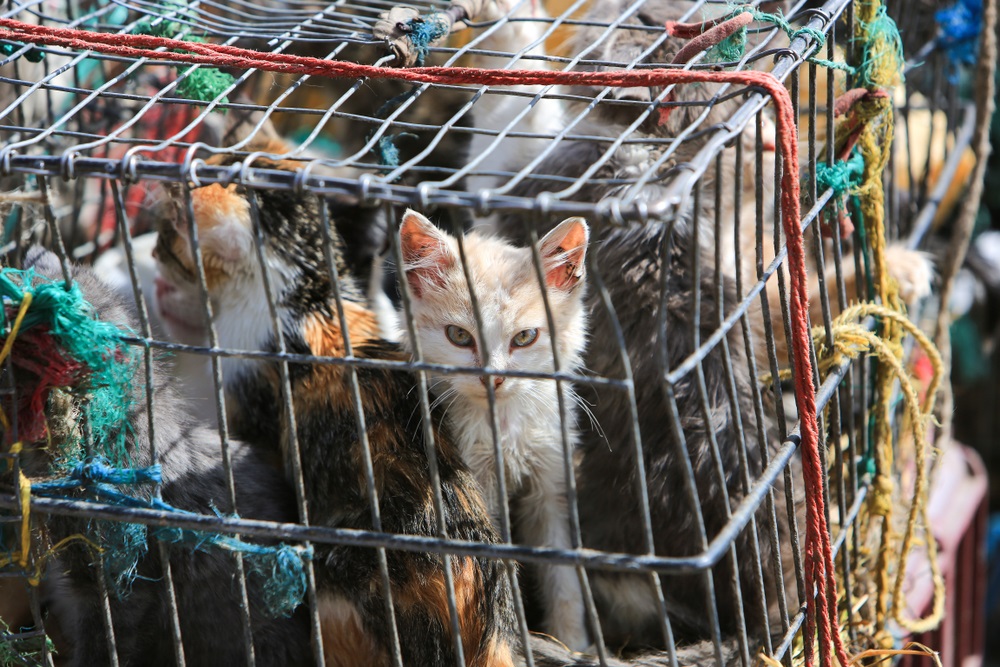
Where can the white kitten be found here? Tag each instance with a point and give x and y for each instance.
(516, 336)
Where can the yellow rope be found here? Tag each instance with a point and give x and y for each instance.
(24, 486)
(36, 576)
(850, 341)
(9, 344)
(878, 54)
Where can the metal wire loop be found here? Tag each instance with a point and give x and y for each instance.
(67, 164)
(483, 202)
(423, 195)
(192, 172)
(364, 188)
(128, 167)
(5, 155)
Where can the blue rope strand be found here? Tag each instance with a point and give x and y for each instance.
(958, 31)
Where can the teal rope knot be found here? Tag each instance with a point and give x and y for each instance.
(841, 176)
(99, 471)
(281, 567)
(424, 30)
(732, 48)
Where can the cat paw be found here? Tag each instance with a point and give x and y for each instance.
(912, 270)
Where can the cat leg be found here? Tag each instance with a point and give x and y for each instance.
(543, 520)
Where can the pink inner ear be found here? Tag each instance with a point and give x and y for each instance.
(424, 252)
(565, 262)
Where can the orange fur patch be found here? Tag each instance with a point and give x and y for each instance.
(498, 653)
(345, 642)
(323, 335)
(430, 595)
(215, 204)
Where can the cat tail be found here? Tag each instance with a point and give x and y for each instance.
(548, 652)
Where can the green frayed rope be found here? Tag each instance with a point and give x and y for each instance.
(97, 345)
(204, 83)
(111, 366)
(281, 567)
(882, 62)
(105, 474)
(733, 47)
(16, 651)
(842, 176)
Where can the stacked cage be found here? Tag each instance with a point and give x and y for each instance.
(277, 398)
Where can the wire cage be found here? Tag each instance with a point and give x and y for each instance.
(678, 502)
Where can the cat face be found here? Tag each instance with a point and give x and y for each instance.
(293, 245)
(516, 333)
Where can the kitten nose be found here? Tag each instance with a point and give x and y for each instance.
(497, 381)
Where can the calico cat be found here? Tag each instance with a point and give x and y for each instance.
(354, 625)
(207, 594)
(515, 336)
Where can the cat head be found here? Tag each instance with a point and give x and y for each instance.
(516, 333)
(292, 241)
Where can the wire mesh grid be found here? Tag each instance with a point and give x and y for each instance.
(688, 467)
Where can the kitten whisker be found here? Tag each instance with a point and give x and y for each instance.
(584, 405)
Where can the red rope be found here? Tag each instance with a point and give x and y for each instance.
(703, 36)
(819, 552)
(703, 40)
(36, 352)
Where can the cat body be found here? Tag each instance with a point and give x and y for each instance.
(205, 584)
(351, 604)
(516, 336)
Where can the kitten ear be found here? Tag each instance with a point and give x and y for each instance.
(425, 252)
(563, 251)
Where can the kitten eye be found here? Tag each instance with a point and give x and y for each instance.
(524, 338)
(459, 336)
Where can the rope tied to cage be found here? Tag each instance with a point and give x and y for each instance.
(819, 570)
(842, 177)
(725, 38)
(846, 174)
(851, 340)
(281, 567)
(60, 318)
(879, 54)
(409, 35)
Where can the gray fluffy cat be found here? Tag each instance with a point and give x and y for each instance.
(634, 270)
